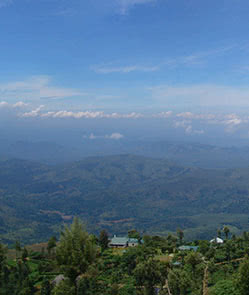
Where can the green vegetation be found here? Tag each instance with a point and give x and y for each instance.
(78, 264)
(119, 193)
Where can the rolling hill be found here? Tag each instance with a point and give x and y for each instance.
(119, 193)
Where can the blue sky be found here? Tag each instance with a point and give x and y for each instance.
(125, 59)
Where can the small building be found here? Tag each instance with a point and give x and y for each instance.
(177, 263)
(132, 242)
(217, 241)
(123, 242)
(188, 248)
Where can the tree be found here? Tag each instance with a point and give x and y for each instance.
(133, 233)
(148, 274)
(204, 247)
(180, 235)
(103, 240)
(18, 248)
(2, 257)
(245, 236)
(75, 251)
(27, 287)
(228, 249)
(243, 278)
(2, 266)
(179, 281)
(226, 231)
(51, 244)
(25, 254)
(45, 287)
(65, 287)
(225, 287)
(193, 259)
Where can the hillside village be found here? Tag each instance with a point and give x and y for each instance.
(80, 263)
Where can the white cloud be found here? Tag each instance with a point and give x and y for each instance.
(201, 95)
(186, 115)
(232, 120)
(3, 104)
(132, 115)
(34, 88)
(191, 123)
(80, 115)
(105, 69)
(189, 115)
(75, 115)
(125, 5)
(167, 114)
(114, 136)
(18, 104)
(181, 61)
(187, 126)
(199, 58)
(33, 113)
(92, 136)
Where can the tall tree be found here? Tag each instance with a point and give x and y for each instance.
(193, 259)
(179, 281)
(18, 248)
(51, 244)
(2, 257)
(243, 278)
(180, 235)
(75, 250)
(45, 287)
(148, 274)
(226, 231)
(103, 240)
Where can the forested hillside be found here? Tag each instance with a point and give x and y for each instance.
(118, 193)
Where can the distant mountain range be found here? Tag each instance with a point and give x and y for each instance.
(119, 193)
(186, 154)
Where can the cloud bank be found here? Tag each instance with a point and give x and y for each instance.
(79, 115)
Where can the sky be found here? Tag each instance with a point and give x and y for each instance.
(184, 62)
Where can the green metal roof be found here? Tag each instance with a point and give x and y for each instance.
(119, 240)
(123, 240)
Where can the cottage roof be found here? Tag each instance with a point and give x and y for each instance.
(119, 240)
(122, 240)
(188, 248)
(132, 240)
(217, 240)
